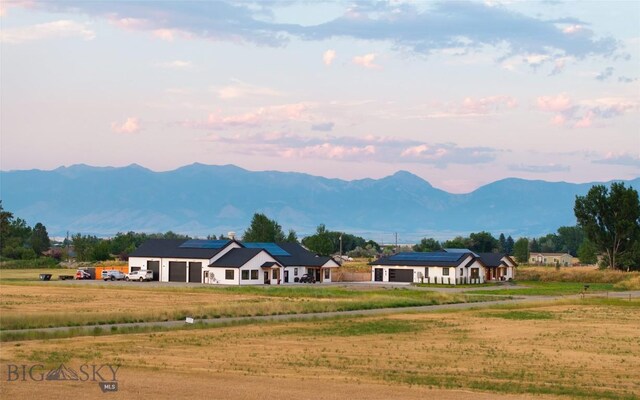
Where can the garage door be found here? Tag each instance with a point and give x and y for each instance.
(195, 272)
(177, 271)
(400, 275)
(155, 267)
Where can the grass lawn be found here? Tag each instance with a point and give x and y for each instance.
(536, 288)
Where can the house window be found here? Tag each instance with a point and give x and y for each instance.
(254, 274)
(475, 273)
(276, 273)
(229, 274)
(327, 273)
(426, 271)
(445, 271)
(295, 272)
(245, 275)
(461, 271)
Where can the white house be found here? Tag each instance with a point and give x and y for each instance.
(451, 266)
(229, 262)
(433, 267)
(498, 266)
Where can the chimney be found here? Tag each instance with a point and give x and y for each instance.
(232, 235)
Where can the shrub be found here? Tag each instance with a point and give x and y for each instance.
(632, 283)
(42, 262)
(573, 274)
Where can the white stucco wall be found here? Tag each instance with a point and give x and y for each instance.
(435, 274)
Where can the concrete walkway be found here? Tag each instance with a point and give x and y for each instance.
(332, 314)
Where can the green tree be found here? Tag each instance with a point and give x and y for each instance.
(6, 218)
(40, 241)
(521, 250)
(587, 253)
(457, 242)
(427, 244)
(83, 246)
(549, 243)
(320, 242)
(100, 250)
(509, 246)
(502, 244)
(262, 229)
(483, 242)
(534, 247)
(610, 220)
(570, 238)
(292, 237)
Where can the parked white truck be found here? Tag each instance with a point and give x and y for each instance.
(140, 275)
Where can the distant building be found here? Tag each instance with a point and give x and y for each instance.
(561, 259)
(448, 267)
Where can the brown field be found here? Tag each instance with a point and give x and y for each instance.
(585, 350)
(35, 305)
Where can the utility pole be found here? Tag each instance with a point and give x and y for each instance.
(341, 246)
(396, 242)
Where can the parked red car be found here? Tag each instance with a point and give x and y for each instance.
(82, 274)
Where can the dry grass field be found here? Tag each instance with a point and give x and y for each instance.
(50, 304)
(590, 349)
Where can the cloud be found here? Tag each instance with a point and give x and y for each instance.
(48, 30)
(407, 26)
(624, 159)
(176, 64)
(366, 61)
(328, 57)
(166, 20)
(323, 127)
(350, 148)
(540, 169)
(260, 117)
(558, 103)
(330, 151)
(583, 114)
(626, 79)
(604, 75)
(241, 89)
(131, 125)
(469, 107)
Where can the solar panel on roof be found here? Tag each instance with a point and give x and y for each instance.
(445, 257)
(272, 248)
(204, 244)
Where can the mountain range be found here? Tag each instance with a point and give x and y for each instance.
(202, 199)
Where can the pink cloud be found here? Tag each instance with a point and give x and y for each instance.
(131, 125)
(584, 114)
(329, 151)
(366, 61)
(48, 30)
(170, 34)
(328, 57)
(470, 107)
(558, 103)
(258, 117)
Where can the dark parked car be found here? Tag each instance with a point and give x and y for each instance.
(307, 278)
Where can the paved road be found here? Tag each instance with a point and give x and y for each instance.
(377, 311)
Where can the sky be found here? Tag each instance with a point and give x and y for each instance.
(459, 93)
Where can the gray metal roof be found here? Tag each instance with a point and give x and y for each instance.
(236, 258)
(170, 248)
